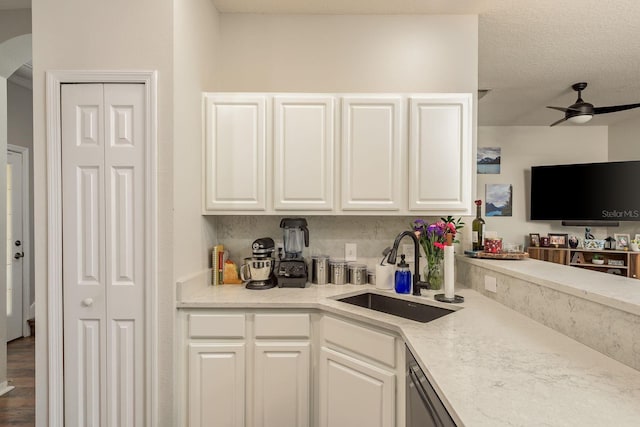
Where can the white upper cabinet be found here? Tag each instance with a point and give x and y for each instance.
(235, 152)
(440, 154)
(372, 152)
(303, 129)
(350, 154)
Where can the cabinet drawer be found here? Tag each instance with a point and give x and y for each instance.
(282, 325)
(216, 326)
(372, 344)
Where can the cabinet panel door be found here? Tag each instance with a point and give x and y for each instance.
(440, 153)
(354, 393)
(216, 385)
(372, 153)
(103, 179)
(282, 384)
(235, 152)
(303, 153)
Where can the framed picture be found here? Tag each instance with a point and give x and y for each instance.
(534, 239)
(488, 159)
(637, 238)
(622, 241)
(558, 240)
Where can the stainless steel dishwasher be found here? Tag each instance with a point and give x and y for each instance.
(424, 408)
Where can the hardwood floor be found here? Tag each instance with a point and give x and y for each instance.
(17, 408)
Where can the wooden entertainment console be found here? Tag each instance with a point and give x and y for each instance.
(622, 263)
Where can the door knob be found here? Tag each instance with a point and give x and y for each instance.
(18, 255)
(18, 243)
(87, 302)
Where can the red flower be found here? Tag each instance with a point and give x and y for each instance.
(438, 245)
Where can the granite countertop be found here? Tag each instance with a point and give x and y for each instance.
(490, 365)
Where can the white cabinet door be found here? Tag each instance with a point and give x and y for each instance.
(216, 394)
(282, 384)
(440, 154)
(372, 153)
(235, 152)
(303, 152)
(103, 170)
(354, 393)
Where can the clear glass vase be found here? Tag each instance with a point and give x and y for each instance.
(434, 273)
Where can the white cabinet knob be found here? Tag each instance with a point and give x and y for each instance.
(87, 302)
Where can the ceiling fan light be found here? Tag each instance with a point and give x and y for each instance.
(580, 118)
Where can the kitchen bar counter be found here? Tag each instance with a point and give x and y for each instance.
(491, 365)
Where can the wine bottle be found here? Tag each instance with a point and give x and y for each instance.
(477, 228)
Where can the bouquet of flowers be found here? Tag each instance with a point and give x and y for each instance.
(433, 238)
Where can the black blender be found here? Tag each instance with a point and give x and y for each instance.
(292, 272)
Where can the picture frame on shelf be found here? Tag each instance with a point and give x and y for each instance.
(558, 240)
(622, 241)
(637, 238)
(534, 239)
(593, 244)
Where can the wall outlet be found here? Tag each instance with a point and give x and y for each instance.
(490, 283)
(350, 251)
(409, 252)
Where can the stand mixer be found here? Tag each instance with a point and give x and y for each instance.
(257, 271)
(292, 272)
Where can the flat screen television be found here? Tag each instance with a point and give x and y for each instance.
(586, 192)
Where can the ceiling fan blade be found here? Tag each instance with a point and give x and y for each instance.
(564, 110)
(614, 108)
(558, 122)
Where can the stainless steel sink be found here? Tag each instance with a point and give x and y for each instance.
(398, 307)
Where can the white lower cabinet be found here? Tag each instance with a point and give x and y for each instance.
(247, 369)
(216, 384)
(279, 369)
(355, 393)
(281, 384)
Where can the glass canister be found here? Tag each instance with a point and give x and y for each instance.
(357, 274)
(403, 277)
(338, 271)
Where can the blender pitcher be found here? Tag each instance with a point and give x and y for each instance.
(295, 236)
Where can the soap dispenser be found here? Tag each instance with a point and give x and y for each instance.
(403, 277)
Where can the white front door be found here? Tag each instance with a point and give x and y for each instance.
(103, 246)
(15, 246)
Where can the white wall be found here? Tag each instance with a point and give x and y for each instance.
(358, 53)
(196, 58)
(624, 140)
(20, 132)
(526, 146)
(118, 34)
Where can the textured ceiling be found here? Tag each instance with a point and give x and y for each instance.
(530, 52)
(15, 4)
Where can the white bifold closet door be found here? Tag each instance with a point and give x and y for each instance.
(103, 152)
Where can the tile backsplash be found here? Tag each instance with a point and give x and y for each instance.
(327, 234)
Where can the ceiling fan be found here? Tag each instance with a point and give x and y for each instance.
(581, 112)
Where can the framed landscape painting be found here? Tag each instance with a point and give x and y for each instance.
(488, 159)
(499, 200)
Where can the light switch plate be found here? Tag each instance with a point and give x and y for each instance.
(350, 252)
(490, 283)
